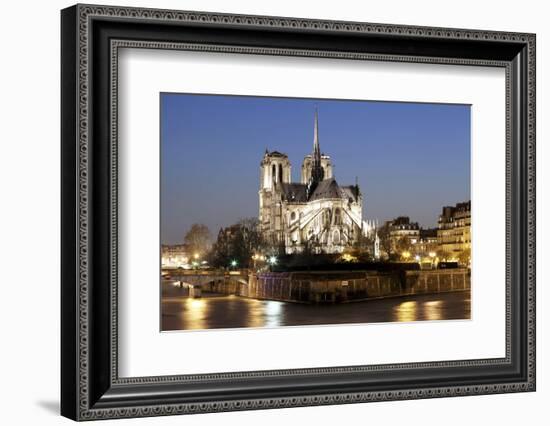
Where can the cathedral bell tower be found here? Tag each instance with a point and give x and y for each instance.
(274, 171)
(274, 168)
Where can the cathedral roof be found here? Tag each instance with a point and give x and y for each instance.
(351, 191)
(293, 192)
(328, 188)
(275, 154)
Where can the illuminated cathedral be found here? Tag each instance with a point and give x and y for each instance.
(316, 214)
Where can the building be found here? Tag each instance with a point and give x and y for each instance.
(401, 235)
(175, 256)
(316, 214)
(453, 233)
(402, 227)
(427, 244)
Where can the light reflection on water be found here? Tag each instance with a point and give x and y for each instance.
(273, 313)
(405, 311)
(434, 310)
(195, 311)
(255, 314)
(430, 310)
(184, 313)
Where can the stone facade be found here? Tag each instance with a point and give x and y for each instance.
(316, 214)
(453, 233)
(175, 256)
(402, 228)
(427, 242)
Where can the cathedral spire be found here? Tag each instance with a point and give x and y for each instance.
(317, 172)
(316, 150)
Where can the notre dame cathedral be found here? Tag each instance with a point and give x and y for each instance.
(317, 212)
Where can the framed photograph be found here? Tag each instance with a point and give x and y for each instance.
(263, 212)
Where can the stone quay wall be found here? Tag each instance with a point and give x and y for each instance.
(174, 288)
(347, 286)
(226, 286)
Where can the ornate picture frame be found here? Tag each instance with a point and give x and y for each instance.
(90, 39)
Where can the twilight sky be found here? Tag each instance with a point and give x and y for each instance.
(410, 159)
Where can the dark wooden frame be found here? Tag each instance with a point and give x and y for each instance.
(90, 386)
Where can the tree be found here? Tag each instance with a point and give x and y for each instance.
(386, 243)
(311, 248)
(238, 242)
(220, 255)
(464, 256)
(443, 255)
(198, 239)
(403, 245)
(250, 239)
(364, 246)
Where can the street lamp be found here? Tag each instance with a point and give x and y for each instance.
(233, 263)
(273, 260)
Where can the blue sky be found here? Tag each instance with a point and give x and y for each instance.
(410, 158)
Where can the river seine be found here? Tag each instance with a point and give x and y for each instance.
(219, 311)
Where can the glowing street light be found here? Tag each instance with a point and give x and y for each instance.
(196, 255)
(346, 257)
(417, 258)
(272, 260)
(405, 255)
(432, 254)
(233, 263)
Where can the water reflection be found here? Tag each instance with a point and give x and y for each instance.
(184, 313)
(273, 310)
(429, 310)
(255, 313)
(405, 311)
(195, 311)
(434, 310)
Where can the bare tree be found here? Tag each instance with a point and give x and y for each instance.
(386, 243)
(198, 239)
(252, 240)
